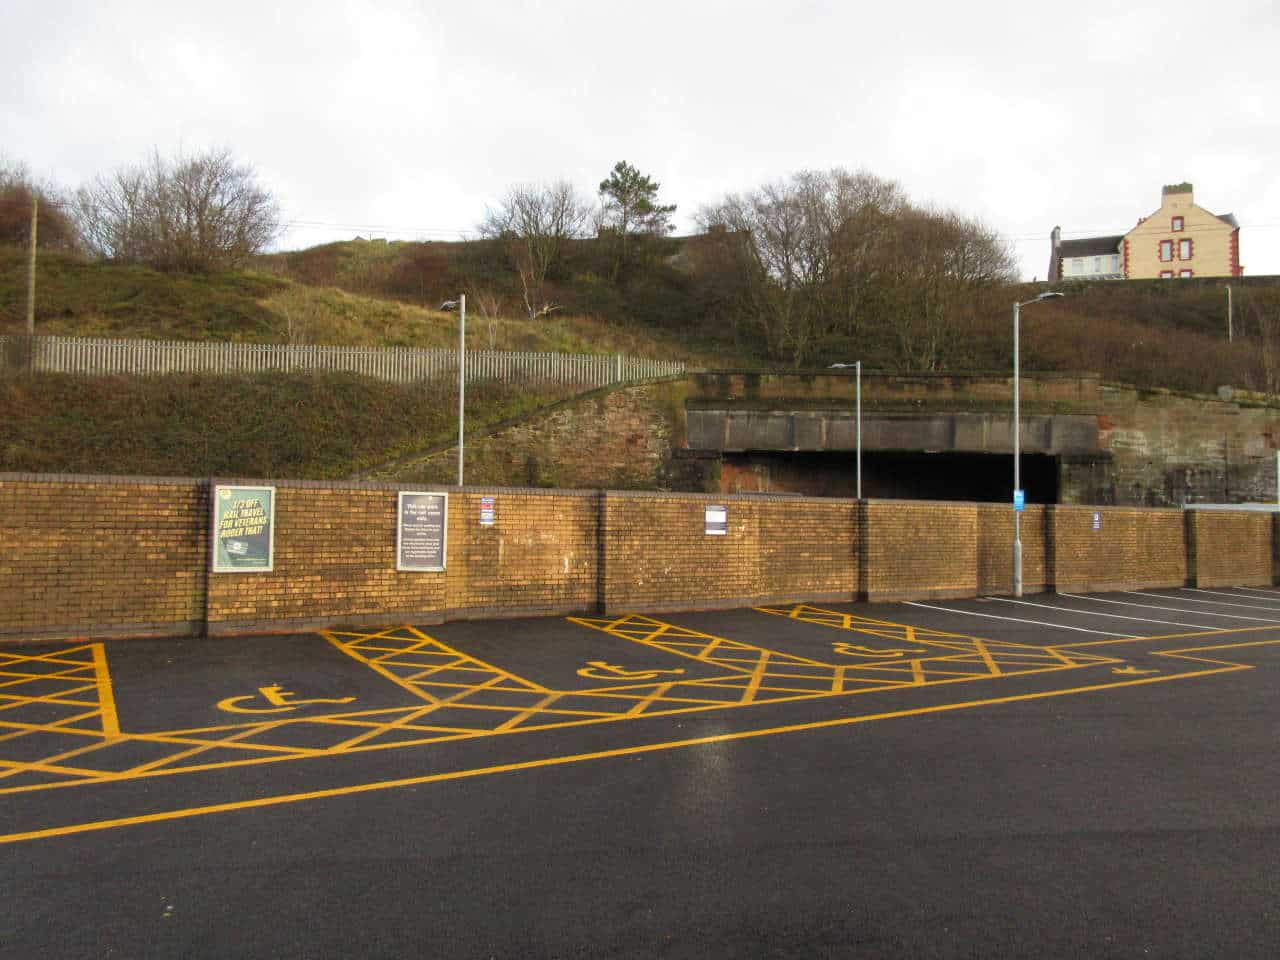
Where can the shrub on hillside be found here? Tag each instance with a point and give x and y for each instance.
(196, 214)
(56, 229)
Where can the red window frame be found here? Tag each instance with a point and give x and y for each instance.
(1185, 274)
(1178, 224)
(1166, 274)
(1166, 247)
(1185, 243)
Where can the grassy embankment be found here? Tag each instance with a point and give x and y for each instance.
(322, 426)
(1153, 334)
(272, 425)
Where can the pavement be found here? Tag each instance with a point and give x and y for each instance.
(1060, 776)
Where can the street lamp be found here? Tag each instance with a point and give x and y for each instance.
(858, 419)
(1019, 498)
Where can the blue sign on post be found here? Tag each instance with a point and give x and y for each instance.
(1019, 500)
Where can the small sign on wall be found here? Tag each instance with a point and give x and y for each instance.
(1097, 521)
(717, 521)
(487, 510)
(243, 529)
(422, 521)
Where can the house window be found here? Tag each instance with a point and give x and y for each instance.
(1097, 264)
(1184, 249)
(1183, 274)
(1166, 251)
(1166, 274)
(1115, 263)
(1077, 265)
(1177, 224)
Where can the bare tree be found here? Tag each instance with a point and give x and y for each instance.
(931, 266)
(832, 256)
(190, 213)
(489, 305)
(535, 221)
(806, 252)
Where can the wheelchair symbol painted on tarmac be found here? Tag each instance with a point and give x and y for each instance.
(281, 701)
(599, 670)
(851, 650)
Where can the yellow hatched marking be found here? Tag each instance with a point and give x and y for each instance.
(756, 675)
(106, 696)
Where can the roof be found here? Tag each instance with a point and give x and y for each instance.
(1090, 246)
(1230, 220)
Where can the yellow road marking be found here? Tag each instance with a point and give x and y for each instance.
(106, 695)
(763, 678)
(356, 789)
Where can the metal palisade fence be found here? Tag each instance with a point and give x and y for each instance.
(101, 356)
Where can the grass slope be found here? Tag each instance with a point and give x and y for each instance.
(80, 297)
(303, 427)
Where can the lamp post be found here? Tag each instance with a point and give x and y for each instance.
(1018, 496)
(857, 405)
(462, 379)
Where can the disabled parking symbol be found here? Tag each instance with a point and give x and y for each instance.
(280, 700)
(599, 670)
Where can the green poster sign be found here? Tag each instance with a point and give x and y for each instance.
(243, 531)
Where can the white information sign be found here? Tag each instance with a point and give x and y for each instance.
(717, 521)
(422, 521)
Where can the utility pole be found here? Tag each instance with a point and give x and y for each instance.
(31, 269)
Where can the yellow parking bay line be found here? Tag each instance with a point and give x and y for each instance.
(334, 792)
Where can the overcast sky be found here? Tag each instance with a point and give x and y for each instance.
(404, 119)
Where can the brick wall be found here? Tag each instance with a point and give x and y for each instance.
(335, 561)
(109, 556)
(541, 555)
(914, 548)
(1117, 548)
(1161, 549)
(810, 549)
(102, 555)
(658, 555)
(1231, 548)
(994, 549)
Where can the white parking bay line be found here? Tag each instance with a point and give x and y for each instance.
(1221, 603)
(1265, 593)
(1094, 613)
(1157, 606)
(1039, 623)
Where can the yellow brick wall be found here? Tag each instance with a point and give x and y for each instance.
(334, 562)
(1133, 548)
(658, 555)
(97, 554)
(919, 549)
(540, 556)
(1232, 549)
(995, 549)
(108, 556)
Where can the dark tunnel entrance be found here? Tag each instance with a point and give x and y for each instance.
(892, 475)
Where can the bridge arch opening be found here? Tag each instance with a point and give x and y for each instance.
(900, 475)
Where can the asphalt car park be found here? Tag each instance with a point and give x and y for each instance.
(1056, 775)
